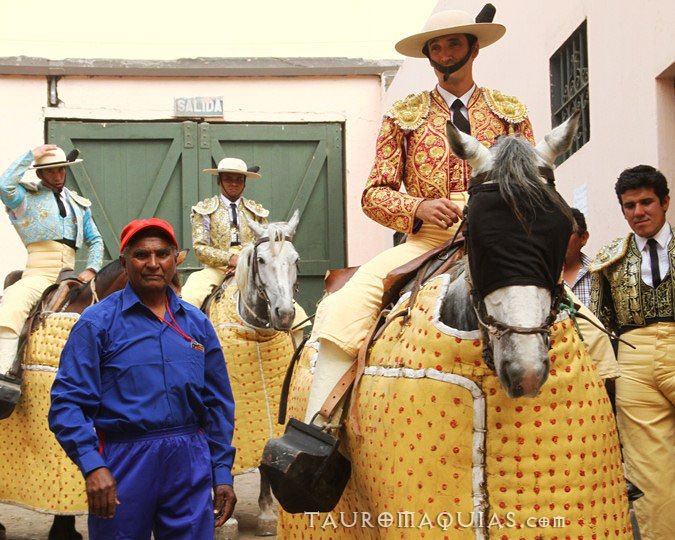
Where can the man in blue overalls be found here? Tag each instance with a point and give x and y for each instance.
(146, 370)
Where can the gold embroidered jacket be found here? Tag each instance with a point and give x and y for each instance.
(619, 297)
(212, 232)
(412, 148)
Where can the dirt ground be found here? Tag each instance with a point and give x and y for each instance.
(24, 524)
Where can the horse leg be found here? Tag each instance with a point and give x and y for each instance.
(266, 525)
(3, 532)
(63, 528)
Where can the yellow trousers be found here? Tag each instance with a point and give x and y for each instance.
(351, 311)
(202, 282)
(645, 399)
(45, 261)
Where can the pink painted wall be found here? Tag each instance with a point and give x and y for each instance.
(354, 101)
(632, 102)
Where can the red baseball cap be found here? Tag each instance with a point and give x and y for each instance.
(137, 225)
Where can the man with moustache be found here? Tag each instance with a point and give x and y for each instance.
(413, 149)
(53, 222)
(142, 403)
(632, 293)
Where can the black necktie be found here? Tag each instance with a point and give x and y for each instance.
(235, 233)
(235, 221)
(59, 202)
(461, 123)
(654, 257)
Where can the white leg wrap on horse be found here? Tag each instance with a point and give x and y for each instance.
(9, 343)
(332, 363)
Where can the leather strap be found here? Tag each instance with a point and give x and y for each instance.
(283, 401)
(338, 392)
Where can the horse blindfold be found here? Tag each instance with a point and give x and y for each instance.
(503, 253)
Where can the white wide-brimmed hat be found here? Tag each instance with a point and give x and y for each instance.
(450, 22)
(57, 159)
(233, 165)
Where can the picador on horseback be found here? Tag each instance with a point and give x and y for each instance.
(53, 222)
(432, 429)
(221, 228)
(413, 149)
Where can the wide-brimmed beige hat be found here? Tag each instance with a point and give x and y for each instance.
(233, 165)
(450, 22)
(57, 159)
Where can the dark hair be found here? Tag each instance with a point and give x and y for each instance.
(469, 37)
(580, 219)
(642, 176)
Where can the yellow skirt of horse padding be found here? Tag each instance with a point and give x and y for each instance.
(36, 472)
(256, 363)
(549, 467)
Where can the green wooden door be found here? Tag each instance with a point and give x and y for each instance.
(141, 170)
(301, 167)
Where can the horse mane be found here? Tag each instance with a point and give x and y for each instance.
(516, 170)
(243, 267)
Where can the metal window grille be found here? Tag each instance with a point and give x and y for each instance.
(569, 87)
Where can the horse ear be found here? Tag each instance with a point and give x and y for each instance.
(469, 148)
(558, 140)
(293, 223)
(257, 228)
(182, 255)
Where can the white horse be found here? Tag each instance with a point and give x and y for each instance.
(434, 435)
(518, 314)
(253, 318)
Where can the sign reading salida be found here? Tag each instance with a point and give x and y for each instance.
(198, 106)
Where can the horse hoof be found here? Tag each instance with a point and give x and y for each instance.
(228, 531)
(3, 532)
(266, 527)
(63, 528)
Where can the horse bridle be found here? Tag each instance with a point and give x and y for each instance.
(257, 282)
(489, 325)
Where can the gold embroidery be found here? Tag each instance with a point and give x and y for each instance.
(410, 112)
(610, 253)
(634, 303)
(506, 107)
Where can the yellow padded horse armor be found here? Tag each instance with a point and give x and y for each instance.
(441, 436)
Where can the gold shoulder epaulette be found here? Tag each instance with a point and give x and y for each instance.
(207, 206)
(409, 113)
(505, 107)
(609, 254)
(256, 208)
(79, 199)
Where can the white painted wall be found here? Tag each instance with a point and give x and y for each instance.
(157, 29)
(630, 44)
(355, 101)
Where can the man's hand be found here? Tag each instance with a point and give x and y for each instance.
(223, 504)
(440, 212)
(101, 493)
(44, 150)
(233, 261)
(86, 275)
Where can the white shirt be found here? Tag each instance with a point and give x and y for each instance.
(64, 195)
(450, 98)
(229, 203)
(662, 240)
